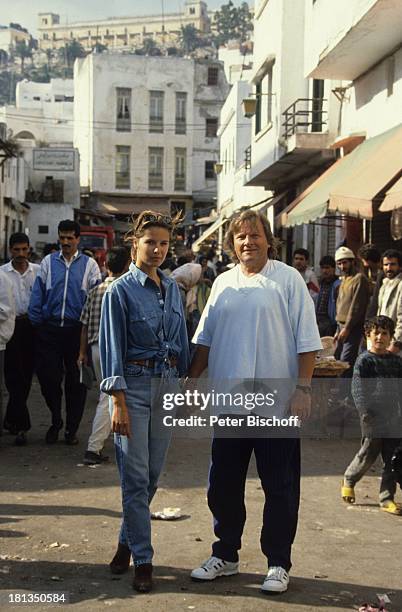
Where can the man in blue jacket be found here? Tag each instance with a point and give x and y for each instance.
(57, 299)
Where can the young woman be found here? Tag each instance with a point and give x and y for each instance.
(142, 337)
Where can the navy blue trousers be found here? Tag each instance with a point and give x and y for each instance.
(278, 466)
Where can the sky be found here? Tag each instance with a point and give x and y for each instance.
(25, 11)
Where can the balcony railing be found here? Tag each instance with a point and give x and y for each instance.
(305, 115)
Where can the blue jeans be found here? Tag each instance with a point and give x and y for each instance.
(140, 460)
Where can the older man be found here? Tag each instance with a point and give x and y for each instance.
(390, 295)
(259, 323)
(351, 307)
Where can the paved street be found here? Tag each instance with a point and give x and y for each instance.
(59, 525)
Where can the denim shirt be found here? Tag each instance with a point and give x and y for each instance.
(134, 325)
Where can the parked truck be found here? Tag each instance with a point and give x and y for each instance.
(99, 239)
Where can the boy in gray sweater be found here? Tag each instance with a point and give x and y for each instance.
(376, 390)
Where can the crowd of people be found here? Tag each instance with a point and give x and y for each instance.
(151, 317)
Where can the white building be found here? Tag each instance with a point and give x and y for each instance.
(146, 130)
(53, 190)
(13, 182)
(358, 43)
(292, 115)
(43, 112)
(123, 32)
(237, 60)
(9, 37)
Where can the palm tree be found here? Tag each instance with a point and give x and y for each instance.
(189, 39)
(22, 51)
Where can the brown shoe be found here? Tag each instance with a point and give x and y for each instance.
(142, 581)
(121, 561)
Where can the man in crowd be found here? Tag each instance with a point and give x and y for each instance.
(351, 306)
(390, 295)
(7, 321)
(300, 262)
(370, 257)
(57, 300)
(233, 345)
(326, 301)
(19, 355)
(117, 262)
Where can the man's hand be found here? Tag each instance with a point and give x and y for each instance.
(393, 349)
(120, 418)
(300, 404)
(342, 335)
(82, 358)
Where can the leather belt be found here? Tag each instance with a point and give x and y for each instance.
(150, 363)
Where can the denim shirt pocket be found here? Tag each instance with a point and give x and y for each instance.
(143, 328)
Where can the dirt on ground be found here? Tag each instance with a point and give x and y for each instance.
(60, 522)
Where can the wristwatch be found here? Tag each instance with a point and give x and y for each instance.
(304, 388)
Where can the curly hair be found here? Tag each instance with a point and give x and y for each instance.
(252, 217)
(381, 321)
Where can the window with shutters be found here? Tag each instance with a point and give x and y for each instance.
(156, 111)
(181, 111)
(155, 170)
(123, 109)
(210, 170)
(211, 128)
(180, 170)
(213, 76)
(122, 172)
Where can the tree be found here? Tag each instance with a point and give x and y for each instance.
(99, 48)
(150, 47)
(22, 51)
(244, 22)
(70, 52)
(232, 23)
(189, 39)
(3, 57)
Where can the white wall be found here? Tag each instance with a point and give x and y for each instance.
(373, 108)
(30, 94)
(71, 178)
(95, 135)
(235, 137)
(208, 101)
(96, 80)
(278, 32)
(48, 215)
(329, 22)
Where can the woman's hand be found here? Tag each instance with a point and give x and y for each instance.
(120, 418)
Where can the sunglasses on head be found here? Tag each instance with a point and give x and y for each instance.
(156, 219)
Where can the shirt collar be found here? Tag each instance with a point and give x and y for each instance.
(8, 267)
(141, 276)
(75, 256)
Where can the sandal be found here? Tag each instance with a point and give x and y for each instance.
(348, 494)
(390, 506)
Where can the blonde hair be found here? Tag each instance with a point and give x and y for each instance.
(252, 217)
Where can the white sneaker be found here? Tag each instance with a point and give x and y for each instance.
(214, 567)
(276, 581)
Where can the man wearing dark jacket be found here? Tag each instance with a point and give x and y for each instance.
(326, 301)
(351, 306)
(57, 299)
